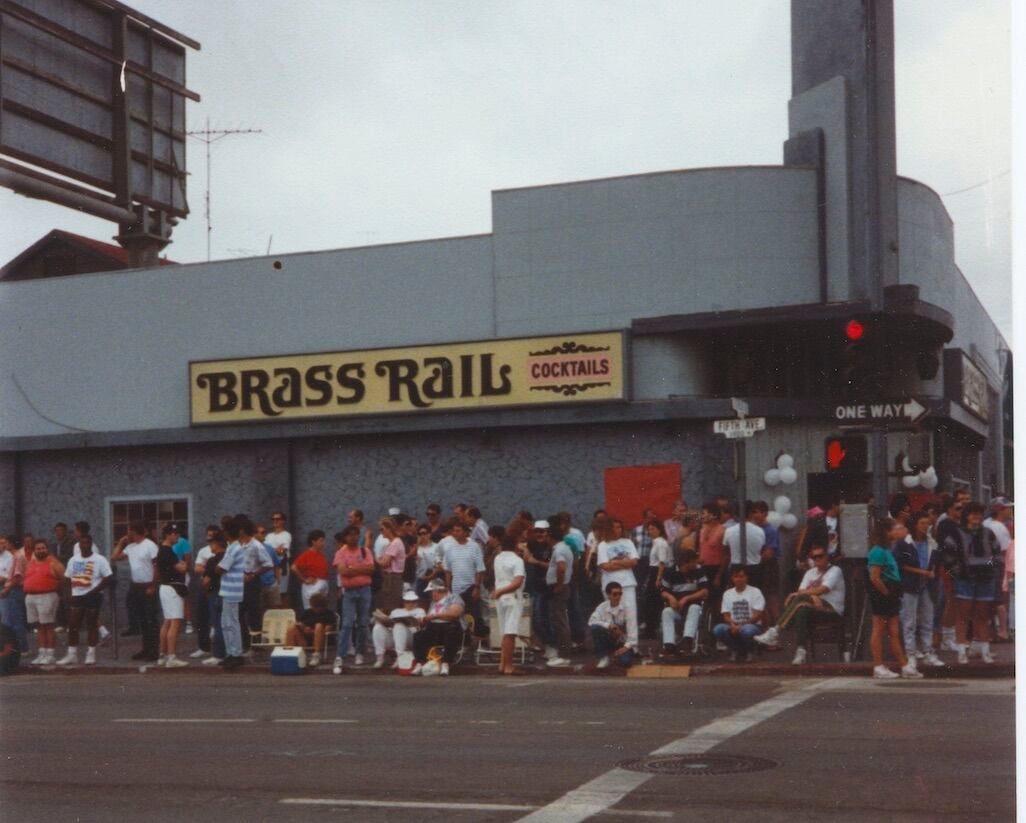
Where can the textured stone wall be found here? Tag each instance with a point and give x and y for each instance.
(500, 470)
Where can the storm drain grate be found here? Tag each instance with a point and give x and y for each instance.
(698, 764)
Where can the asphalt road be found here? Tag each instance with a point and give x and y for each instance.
(194, 747)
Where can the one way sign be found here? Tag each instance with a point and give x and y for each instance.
(903, 411)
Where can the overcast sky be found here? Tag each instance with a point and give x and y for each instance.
(393, 121)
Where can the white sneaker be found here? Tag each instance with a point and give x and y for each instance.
(60, 630)
(379, 662)
(603, 663)
(189, 629)
(551, 652)
(974, 650)
(721, 646)
(358, 661)
(985, 654)
(337, 667)
(173, 662)
(196, 655)
(883, 673)
(770, 637)
(213, 661)
(931, 659)
(910, 672)
(948, 644)
(417, 669)
(70, 659)
(799, 656)
(161, 660)
(39, 659)
(963, 655)
(444, 670)
(315, 660)
(557, 662)
(104, 634)
(90, 656)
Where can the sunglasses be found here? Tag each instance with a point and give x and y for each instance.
(423, 533)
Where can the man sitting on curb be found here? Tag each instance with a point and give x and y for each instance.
(608, 624)
(821, 591)
(310, 629)
(439, 627)
(684, 590)
(742, 608)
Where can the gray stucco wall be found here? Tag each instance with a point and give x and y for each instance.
(501, 471)
(583, 256)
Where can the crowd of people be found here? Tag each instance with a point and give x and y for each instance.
(419, 590)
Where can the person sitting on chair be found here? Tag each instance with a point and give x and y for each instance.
(441, 626)
(684, 590)
(313, 624)
(742, 608)
(821, 592)
(396, 629)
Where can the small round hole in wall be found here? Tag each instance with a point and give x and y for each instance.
(277, 265)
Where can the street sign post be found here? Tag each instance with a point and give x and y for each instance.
(738, 431)
(745, 427)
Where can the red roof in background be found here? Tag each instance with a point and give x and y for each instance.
(107, 249)
(108, 256)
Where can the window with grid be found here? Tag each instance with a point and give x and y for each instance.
(155, 513)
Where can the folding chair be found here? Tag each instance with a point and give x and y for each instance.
(275, 629)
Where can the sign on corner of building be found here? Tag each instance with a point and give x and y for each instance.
(568, 368)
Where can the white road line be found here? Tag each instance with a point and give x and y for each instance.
(605, 791)
(484, 722)
(462, 807)
(311, 720)
(185, 720)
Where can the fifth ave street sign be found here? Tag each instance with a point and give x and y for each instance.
(905, 411)
(746, 427)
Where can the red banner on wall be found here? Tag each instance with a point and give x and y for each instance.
(632, 489)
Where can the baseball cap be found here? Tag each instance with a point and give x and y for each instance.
(815, 511)
(171, 528)
(436, 585)
(541, 524)
(1001, 503)
(410, 594)
(393, 511)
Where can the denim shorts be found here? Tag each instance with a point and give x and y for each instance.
(982, 590)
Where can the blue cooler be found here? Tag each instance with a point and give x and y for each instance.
(288, 660)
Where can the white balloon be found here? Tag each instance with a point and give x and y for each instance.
(931, 471)
(788, 476)
(788, 521)
(931, 482)
(785, 461)
(905, 465)
(774, 518)
(782, 504)
(922, 477)
(772, 477)
(910, 481)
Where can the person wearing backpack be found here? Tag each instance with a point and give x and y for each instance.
(975, 584)
(355, 566)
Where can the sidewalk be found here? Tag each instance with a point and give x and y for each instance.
(767, 663)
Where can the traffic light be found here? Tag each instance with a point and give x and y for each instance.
(846, 454)
(860, 359)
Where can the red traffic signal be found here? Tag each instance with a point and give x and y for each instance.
(846, 455)
(854, 330)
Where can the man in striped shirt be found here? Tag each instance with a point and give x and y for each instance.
(464, 570)
(232, 570)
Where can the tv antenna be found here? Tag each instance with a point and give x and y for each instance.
(208, 136)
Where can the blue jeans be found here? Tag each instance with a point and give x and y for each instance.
(741, 642)
(606, 644)
(356, 605)
(230, 628)
(216, 609)
(12, 612)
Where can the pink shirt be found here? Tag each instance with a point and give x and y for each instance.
(348, 558)
(711, 551)
(396, 550)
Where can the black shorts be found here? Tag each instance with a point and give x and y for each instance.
(885, 605)
(92, 600)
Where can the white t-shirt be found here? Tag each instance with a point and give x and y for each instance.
(427, 558)
(617, 550)
(6, 564)
(277, 540)
(507, 567)
(661, 553)
(203, 555)
(561, 551)
(86, 573)
(833, 578)
(140, 560)
(1000, 532)
(380, 544)
(833, 535)
(756, 539)
(742, 605)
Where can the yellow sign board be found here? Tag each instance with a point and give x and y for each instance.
(567, 368)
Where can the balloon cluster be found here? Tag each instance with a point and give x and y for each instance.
(783, 473)
(927, 478)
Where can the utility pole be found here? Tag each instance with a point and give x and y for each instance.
(208, 136)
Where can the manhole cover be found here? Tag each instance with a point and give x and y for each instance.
(920, 684)
(698, 764)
